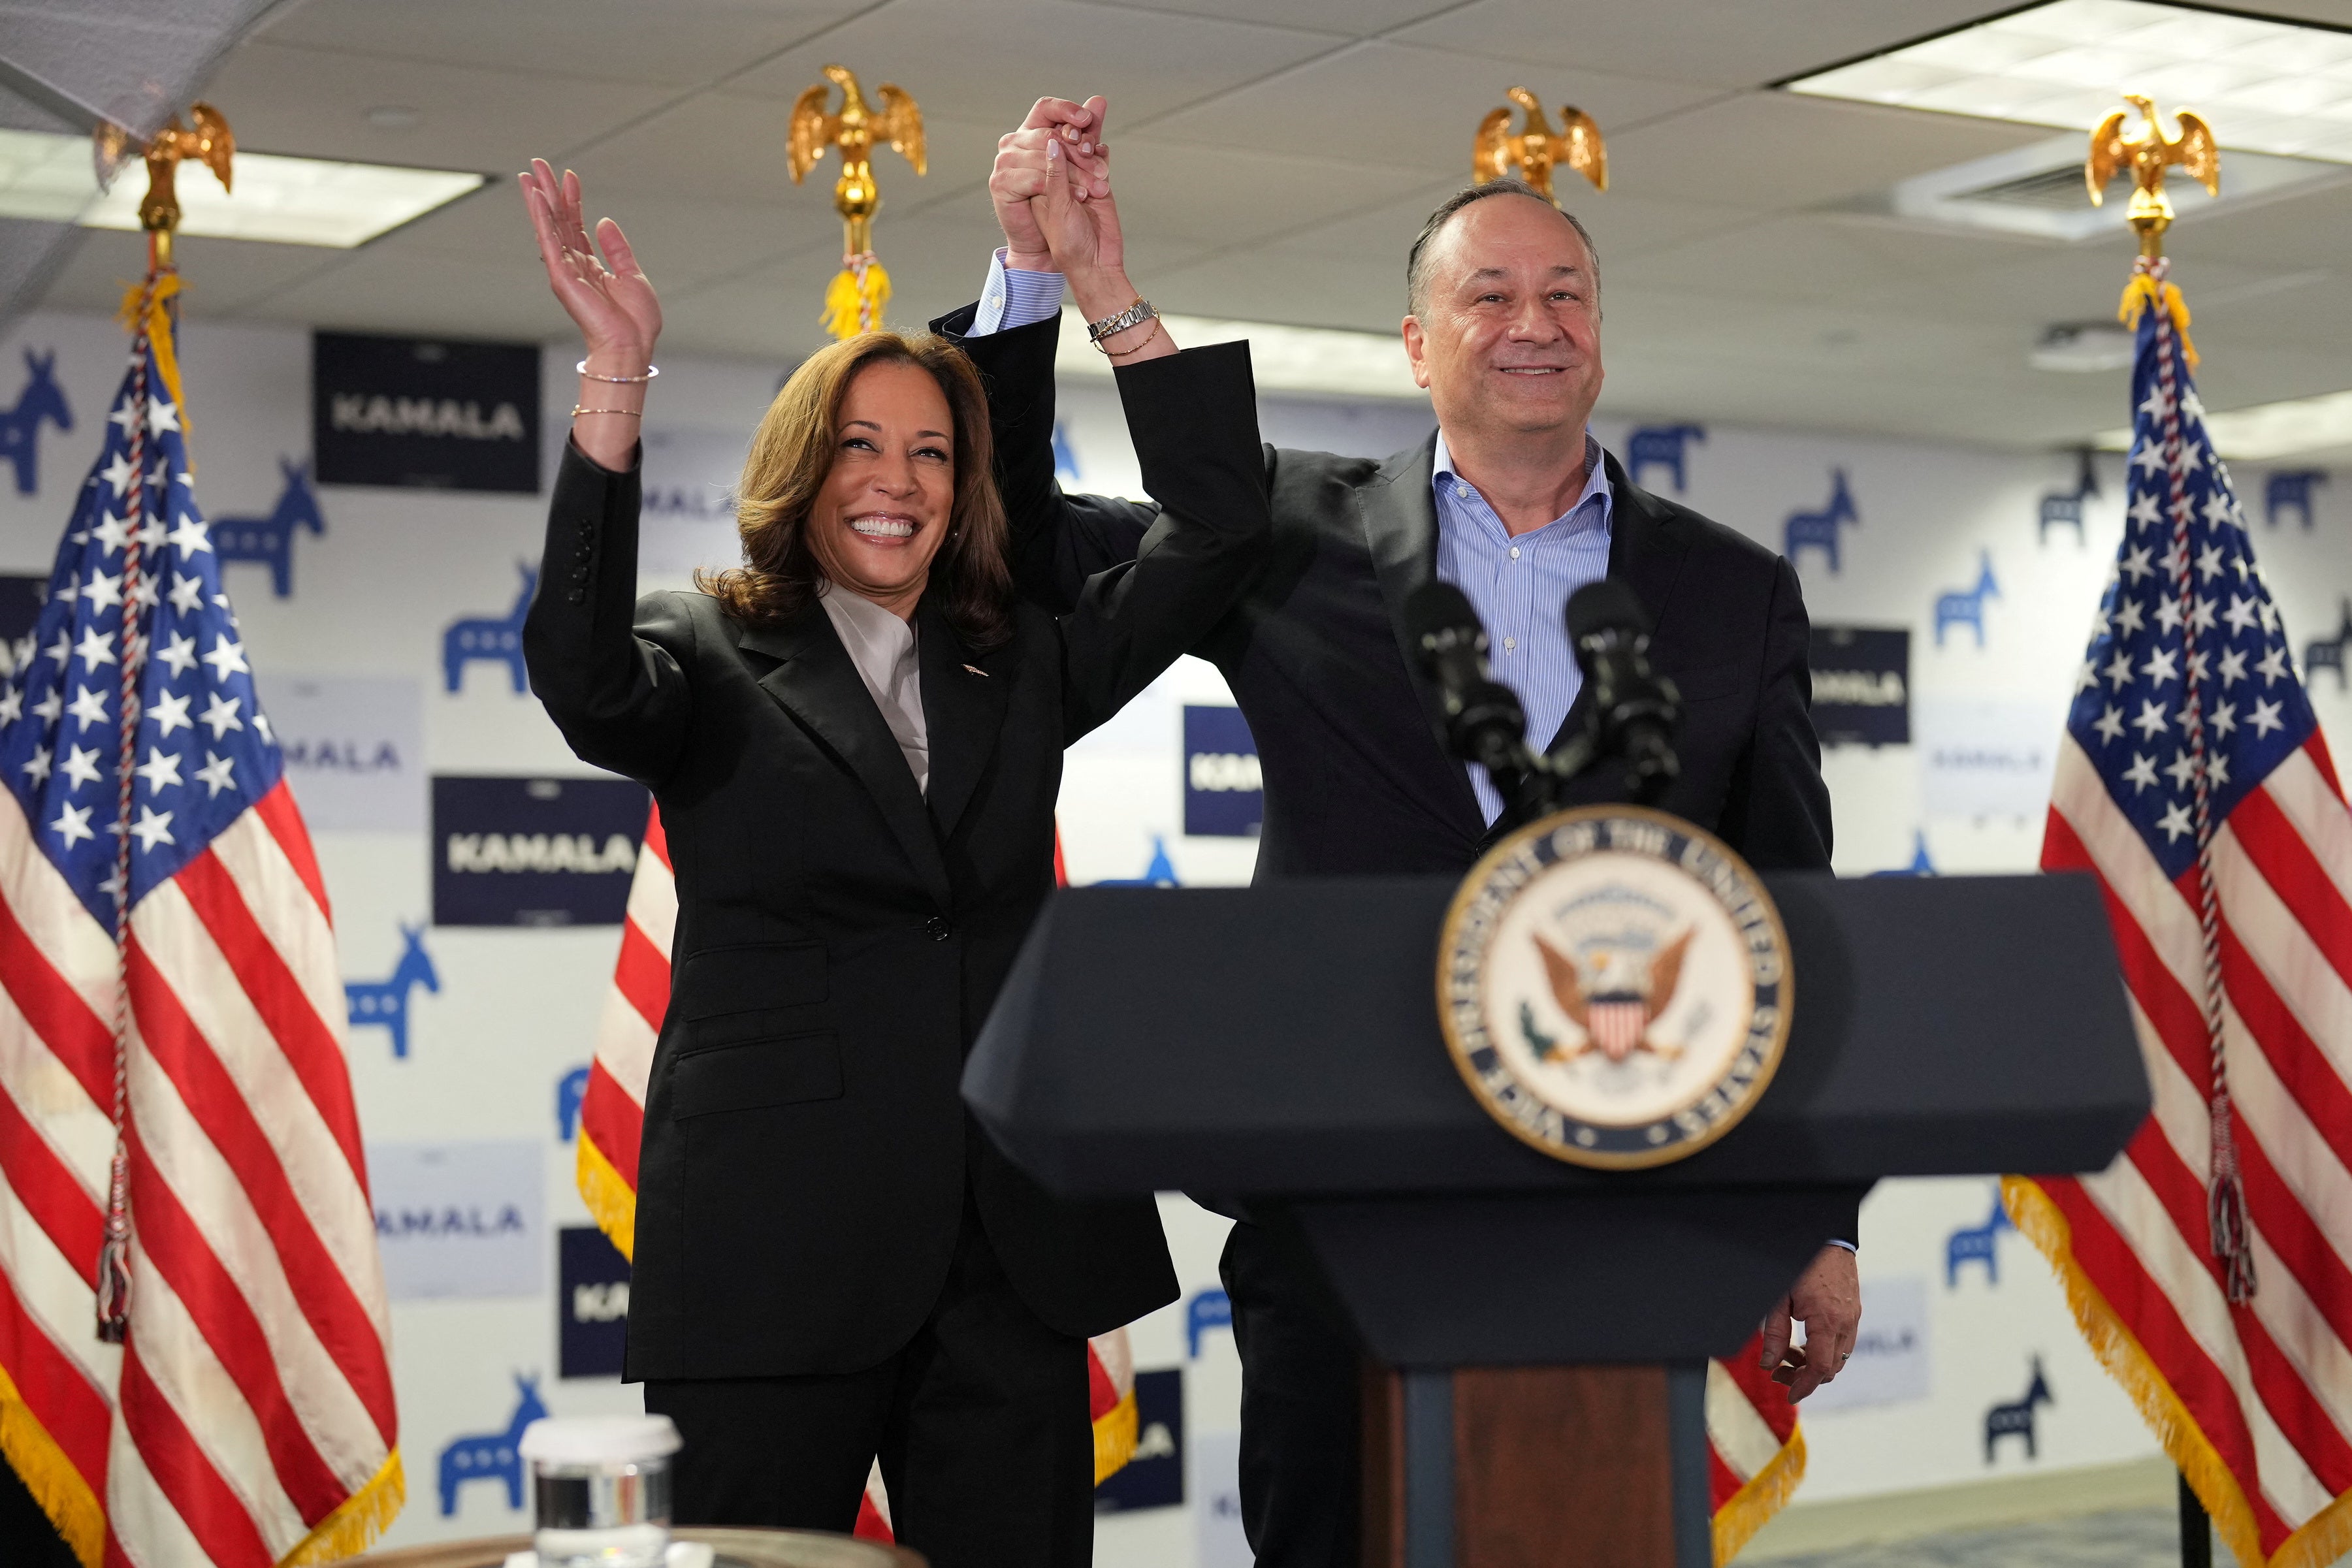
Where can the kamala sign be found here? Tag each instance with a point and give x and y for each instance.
(431, 412)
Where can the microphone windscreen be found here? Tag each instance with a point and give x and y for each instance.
(1606, 605)
(1439, 607)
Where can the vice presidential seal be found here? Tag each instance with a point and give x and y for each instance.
(1614, 983)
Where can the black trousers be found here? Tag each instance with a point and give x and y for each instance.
(980, 1424)
(1301, 1456)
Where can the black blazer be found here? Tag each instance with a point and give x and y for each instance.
(806, 1157)
(1356, 780)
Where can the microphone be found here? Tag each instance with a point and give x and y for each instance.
(1635, 711)
(1483, 721)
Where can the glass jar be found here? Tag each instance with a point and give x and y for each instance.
(600, 1486)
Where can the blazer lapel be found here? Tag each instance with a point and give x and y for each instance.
(817, 684)
(1647, 547)
(963, 712)
(1400, 519)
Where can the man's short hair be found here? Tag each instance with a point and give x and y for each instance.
(1415, 276)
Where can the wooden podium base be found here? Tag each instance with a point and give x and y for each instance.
(1534, 1467)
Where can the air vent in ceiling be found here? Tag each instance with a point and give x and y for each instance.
(2037, 191)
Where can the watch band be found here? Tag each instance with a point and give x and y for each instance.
(1135, 315)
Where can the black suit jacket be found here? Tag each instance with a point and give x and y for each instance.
(1356, 779)
(840, 936)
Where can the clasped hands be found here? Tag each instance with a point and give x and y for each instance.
(1051, 190)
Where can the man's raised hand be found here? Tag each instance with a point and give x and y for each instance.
(1022, 168)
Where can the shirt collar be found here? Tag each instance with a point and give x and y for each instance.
(1596, 479)
(874, 631)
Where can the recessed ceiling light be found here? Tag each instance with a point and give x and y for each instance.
(1282, 359)
(2083, 346)
(2270, 429)
(291, 201)
(2266, 86)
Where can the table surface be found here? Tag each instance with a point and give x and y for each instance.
(736, 1549)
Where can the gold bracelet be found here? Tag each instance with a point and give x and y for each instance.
(627, 413)
(651, 371)
(1129, 353)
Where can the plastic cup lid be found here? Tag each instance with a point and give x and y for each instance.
(599, 1439)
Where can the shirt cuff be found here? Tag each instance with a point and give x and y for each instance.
(1014, 297)
(1849, 1245)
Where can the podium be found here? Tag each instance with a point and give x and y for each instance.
(1537, 1333)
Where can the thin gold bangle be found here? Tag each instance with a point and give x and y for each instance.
(651, 371)
(1115, 356)
(630, 413)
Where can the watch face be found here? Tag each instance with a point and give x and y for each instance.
(1615, 986)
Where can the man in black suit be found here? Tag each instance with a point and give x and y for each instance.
(1515, 502)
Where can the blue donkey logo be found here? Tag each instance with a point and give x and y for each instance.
(571, 1093)
(20, 428)
(1662, 445)
(270, 539)
(1964, 607)
(385, 1002)
(1820, 529)
(491, 1456)
(494, 639)
(1921, 863)
(1161, 872)
(1974, 1243)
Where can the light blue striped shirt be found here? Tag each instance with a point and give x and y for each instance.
(1519, 586)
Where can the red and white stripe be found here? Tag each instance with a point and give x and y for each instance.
(249, 1419)
(2260, 1392)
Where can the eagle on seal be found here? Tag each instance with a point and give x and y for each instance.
(1617, 1015)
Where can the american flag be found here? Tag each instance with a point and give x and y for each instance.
(613, 1119)
(2207, 1266)
(171, 1070)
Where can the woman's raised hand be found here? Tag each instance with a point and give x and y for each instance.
(608, 298)
(1075, 211)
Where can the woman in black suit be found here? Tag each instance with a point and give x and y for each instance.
(855, 741)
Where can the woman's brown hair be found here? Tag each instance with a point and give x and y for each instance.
(792, 453)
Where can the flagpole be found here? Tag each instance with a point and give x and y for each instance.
(152, 311)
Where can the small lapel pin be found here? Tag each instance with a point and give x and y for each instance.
(976, 669)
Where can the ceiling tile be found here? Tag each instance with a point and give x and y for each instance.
(728, 147)
(1776, 150)
(1726, 43)
(677, 43)
(380, 289)
(1428, 104)
(989, 62)
(314, 103)
(1216, 197)
(220, 276)
(1348, 18)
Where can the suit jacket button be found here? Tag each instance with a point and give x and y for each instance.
(939, 928)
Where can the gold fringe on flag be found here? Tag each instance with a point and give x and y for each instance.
(56, 1486)
(2140, 295)
(354, 1527)
(1115, 1435)
(855, 298)
(611, 1202)
(2323, 1538)
(1768, 1491)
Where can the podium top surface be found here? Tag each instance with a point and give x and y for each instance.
(1284, 1040)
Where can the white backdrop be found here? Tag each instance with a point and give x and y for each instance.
(473, 1104)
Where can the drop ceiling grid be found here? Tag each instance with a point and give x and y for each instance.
(1277, 157)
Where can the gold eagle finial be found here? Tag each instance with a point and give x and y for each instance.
(854, 129)
(2147, 152)
(1536, 150)
(210, 143)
